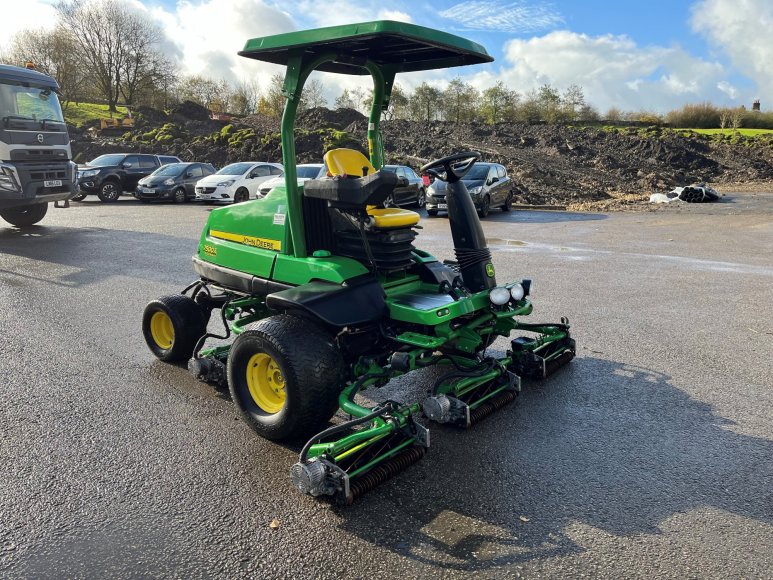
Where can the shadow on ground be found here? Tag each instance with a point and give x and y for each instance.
(610, 446)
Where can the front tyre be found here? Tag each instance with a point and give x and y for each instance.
(25, 216)
(109, 191)
(179, 195)
(285, 376)
(172, 326)
(485, 206)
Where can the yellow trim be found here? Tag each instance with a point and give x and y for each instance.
(266, 383)
(393, 217)
(263, 243)
(162, 330)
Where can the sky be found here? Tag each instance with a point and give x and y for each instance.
(629, 54)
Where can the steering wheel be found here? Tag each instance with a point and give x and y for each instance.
(451, 168)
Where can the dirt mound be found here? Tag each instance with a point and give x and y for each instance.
(320, 117)
(189, 111)
(549, 164)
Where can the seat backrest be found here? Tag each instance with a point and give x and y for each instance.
(348, 162)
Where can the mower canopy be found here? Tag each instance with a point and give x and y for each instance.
(406, 47)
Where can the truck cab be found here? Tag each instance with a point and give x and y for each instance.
(35, 155)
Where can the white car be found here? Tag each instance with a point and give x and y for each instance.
(304, 172)
(236, 182)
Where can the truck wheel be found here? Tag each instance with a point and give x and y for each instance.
(109, 191)
(79, 197)
(179, 195)
(241, 195)
(172, 326)
(285, 376)
(25, 216)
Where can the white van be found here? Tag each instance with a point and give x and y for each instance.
(236, 182)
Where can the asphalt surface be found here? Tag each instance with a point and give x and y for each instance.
(651, 454)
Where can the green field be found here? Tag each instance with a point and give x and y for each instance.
(744, 132)
(77, 114)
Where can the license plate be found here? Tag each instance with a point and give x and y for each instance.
(148, 190)
(53, 183)
(442, 206)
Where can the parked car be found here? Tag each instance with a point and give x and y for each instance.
(413, 191)
(304, 172)
(237, 182)
(109, 175)
(488, 184)
(175, 181)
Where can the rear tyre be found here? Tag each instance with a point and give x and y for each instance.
(179, 195)
(109, 191)
(241, 195)
(172, 326)
(25, 216)
(285, 376)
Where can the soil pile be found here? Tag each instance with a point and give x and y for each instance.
(550, 164)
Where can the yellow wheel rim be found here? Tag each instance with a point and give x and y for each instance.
(162, 330)
(266, 383)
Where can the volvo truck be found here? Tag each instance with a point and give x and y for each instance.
(36, 167)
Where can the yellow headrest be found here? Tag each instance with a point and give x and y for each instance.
(349, 162)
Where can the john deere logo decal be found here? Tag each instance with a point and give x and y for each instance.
(490, 270)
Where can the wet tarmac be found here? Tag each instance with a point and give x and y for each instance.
(651, 454)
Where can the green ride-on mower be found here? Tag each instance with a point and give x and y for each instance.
(326, 294)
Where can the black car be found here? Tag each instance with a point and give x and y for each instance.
(109, 175)
(411, 191)
(489, 187)
(176, 182)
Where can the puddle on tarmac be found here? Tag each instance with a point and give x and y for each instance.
(503, 242)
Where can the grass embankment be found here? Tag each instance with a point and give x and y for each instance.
(743, 132)
(78, 114)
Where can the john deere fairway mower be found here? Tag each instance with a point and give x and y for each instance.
(326, 294)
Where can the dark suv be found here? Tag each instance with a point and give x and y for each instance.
(488, 184)
(109, 175)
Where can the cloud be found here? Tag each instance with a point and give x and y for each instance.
(742, 30)
(209, 34)
(514, 17)
(35, 14)
(613, 70)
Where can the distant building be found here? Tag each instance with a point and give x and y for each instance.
(756, 105)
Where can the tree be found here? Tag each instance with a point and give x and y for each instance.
(398, 104)
(549, 101)
(199, 89)
(314, 94)
(573, 101)
(424, 103)
(272, 103)
(245, 97)
(345, 101)
(55, 53)
(459, 101)
(498, 104)
(117, 44)
(530, 110)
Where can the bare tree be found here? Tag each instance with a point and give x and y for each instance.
(736, 118)
(117, 44)
(314, 94)
(55, 53)
(245, 97)
(345, 100)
